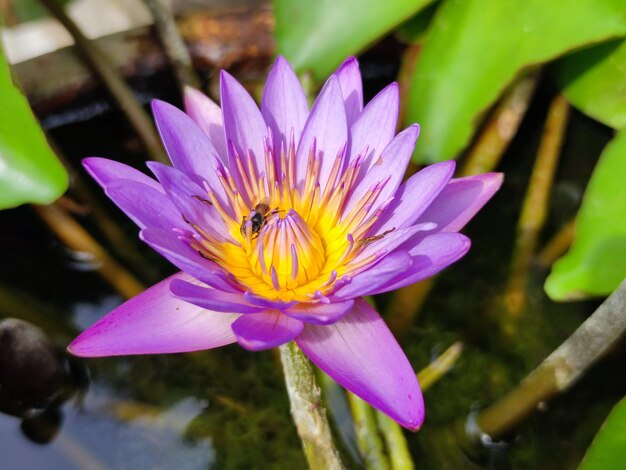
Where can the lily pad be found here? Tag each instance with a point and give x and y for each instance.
(318, 36)
(608, 449)
(595, 264)
(29, 169)
(475, 48)
(594, 81)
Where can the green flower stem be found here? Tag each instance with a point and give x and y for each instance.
(307, 410)
(592, 340)
(120, 91)
(434, 371)
(395, 442)
(368, 438)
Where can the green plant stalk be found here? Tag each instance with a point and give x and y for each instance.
(368, 438)
(397, 447)
(590, 342)
(120, 91)
(307, 411)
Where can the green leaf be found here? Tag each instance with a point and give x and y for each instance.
(608, 449)
(317, 36)
(595, 264)
(29, 169)
(475, 48)
(594, 80)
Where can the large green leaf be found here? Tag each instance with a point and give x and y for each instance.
(608, 449)
(29, 169)
(596, 262)
(594, 80)
(475, 48)
(319, 35)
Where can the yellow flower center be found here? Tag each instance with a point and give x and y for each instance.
(291, 241)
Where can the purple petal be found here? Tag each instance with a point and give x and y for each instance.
(212, 299)
(155, 322)
(320, 314)
(415, 195)
(392, 240)
(375, 277)
(259, 301)
(349, 78)
(105, 171)
(389, 167)
(375, 126)
(257, 331)
(326, 126)
(170, 245)
(430, 256)
(188, 147)
(208, 116)
(190, 200)
(460, 200)
(284, 105)
(362, 355)
(243, 122)
(146, 206)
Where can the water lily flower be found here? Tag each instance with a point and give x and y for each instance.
(281, 220)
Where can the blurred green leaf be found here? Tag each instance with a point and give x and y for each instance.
(475, 48)
(594, 80)
(414, 30)
(596, 262)
(608, 449)
(28, 10)
(319, 35)
(29, 169)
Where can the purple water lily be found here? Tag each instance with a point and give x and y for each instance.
(281, 220)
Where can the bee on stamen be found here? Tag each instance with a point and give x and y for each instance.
(252, 224)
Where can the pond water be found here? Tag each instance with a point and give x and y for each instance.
(227, 408)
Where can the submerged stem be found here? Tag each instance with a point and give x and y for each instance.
(77, 238)
(594, 338)
(535, 209)
(307, 410)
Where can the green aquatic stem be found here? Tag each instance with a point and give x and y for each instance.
(368, 438)
(588, 344)
(395, 442)
(307, 411)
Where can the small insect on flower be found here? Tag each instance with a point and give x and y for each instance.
(253, 223)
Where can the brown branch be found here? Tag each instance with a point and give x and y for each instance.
(557, 245)
(535, 206)
(120, 91)
(174, 46)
